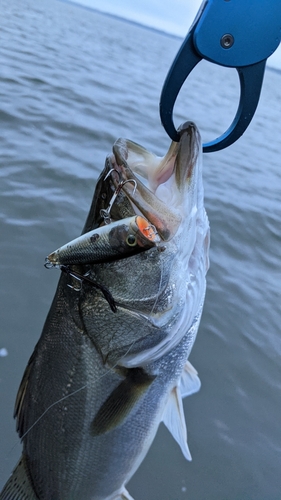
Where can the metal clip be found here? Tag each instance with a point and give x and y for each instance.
(105, 213)
(48, 264)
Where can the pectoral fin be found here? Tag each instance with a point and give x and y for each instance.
(121, 401)
(173, 418)
(190, 382)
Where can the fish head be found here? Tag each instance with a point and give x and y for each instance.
(160, 292)
(167, 190)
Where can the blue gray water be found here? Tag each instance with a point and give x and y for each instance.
(72, 81)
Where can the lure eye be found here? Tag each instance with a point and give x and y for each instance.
(131, 240)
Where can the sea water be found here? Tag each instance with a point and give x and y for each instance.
(71, 82)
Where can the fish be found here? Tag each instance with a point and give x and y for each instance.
(101, 379)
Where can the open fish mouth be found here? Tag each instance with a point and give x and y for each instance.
(167, 180)
(146, 201)
(145, 246)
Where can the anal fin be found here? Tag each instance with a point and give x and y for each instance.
(189, 382)
(173, 418)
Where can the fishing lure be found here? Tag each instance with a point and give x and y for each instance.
(111, 241)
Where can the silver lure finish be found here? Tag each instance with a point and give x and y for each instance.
(118, 239)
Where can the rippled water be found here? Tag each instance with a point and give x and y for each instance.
(72, 81)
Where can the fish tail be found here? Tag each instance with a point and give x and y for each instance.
(18, 486)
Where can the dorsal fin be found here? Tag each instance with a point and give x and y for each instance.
(21, 405)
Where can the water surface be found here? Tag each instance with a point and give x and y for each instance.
(72, 81)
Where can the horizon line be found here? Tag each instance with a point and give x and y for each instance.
(121, 18)
(141, 25)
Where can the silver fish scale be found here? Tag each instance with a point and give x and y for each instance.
(146, 308)
(119, 334)
(122, 278)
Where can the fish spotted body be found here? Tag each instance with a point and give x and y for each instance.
(100, 382)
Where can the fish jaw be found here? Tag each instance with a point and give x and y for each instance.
(171, 179)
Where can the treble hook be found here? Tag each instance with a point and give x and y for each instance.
(84, 277)
(133, 181)
(80, 281)
(105, 212)
(112, 170)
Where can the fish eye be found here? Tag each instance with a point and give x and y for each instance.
(131, 240)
